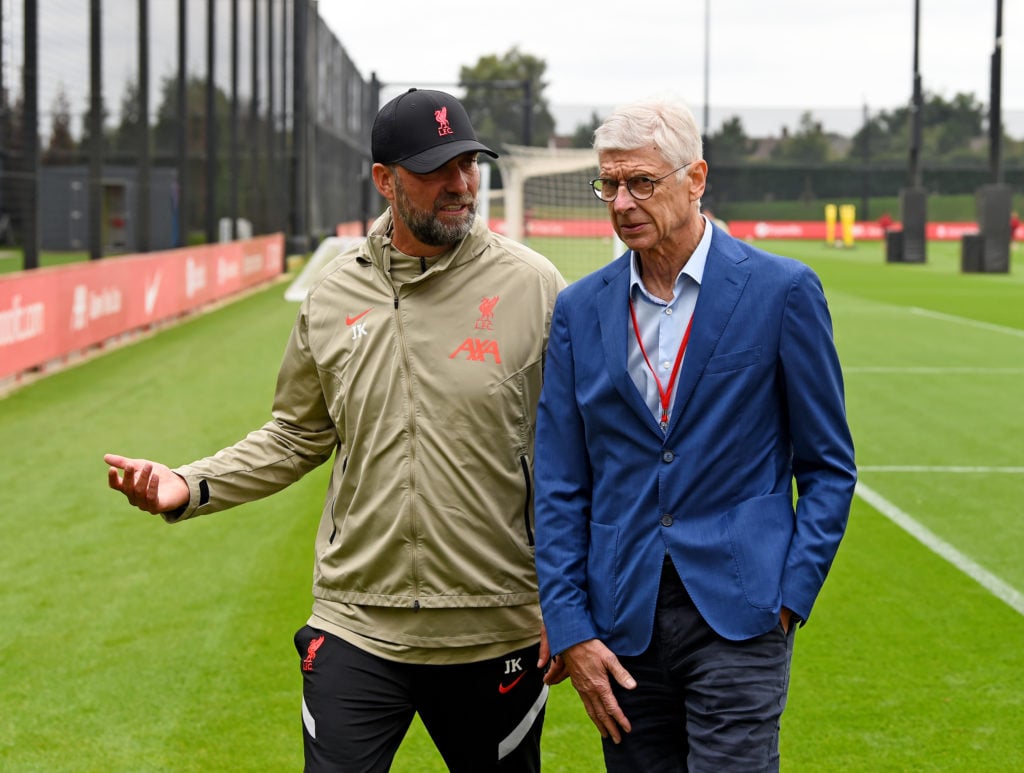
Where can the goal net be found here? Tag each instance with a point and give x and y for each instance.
(546, 202)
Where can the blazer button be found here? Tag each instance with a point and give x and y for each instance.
(667, 456)
(666, 520)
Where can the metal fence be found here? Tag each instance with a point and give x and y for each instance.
(140, 125)
(137, 125)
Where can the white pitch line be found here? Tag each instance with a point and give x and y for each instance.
(933, 370)
(1013, 331)
(1001, 590)
(942, 469)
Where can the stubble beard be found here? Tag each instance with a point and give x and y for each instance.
(426, 226)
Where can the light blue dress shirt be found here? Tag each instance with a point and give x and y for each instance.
(663, 324)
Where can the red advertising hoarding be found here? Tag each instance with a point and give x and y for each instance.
(815, 229)
(47, 314)
(742, 229)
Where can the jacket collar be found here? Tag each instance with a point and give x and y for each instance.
(723, 282)
(377, 247)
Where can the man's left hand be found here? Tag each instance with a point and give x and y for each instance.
(785, 617)
(552, 665)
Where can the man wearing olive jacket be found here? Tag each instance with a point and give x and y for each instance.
(416, 360)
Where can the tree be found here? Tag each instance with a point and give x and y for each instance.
(497, 97)
(61, 146)
(808, 145)
(731, 144)
(125, 138)
(165, 140)
(165, 132)
(12, 158)
(954, 124)
(950, 130)
(86, 142)
(583, 137)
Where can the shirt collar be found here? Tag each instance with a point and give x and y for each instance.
(694, 267)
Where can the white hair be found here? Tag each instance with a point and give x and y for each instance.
(665, 123)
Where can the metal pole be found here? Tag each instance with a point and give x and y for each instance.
(95, 130)
(29, 203)
(707, 68)
(181, 237)
(370, 106)
(211, 123)
(299, 127)
(233, 129)
(142, 236)
(271, 208)
(3, 81)
(256, 183)
(866, 190)
(284, 169)
(995, 115)
(914, 172)
(707, 198)
(4, 131)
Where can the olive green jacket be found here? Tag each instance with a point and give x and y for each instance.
(426, 395)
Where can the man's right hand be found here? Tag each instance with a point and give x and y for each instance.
(150, 486)
(589, 664)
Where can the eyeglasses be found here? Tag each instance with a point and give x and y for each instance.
(640, 188)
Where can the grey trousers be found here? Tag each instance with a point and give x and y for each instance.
(702, 703)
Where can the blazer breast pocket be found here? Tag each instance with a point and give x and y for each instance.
(723, 363)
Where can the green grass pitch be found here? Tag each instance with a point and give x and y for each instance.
(129, 645)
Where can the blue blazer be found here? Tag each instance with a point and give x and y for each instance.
(759, 402)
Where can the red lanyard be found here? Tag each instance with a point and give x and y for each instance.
(664, 392)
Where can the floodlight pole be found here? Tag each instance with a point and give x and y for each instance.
(707, 197)
(993, 202)
(866, 192)
(913, 198)
(707, 67)
(995, 119)
(915, 110)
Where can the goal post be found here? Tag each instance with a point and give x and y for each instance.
(546, 202)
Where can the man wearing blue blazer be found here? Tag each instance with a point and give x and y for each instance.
(687, 385)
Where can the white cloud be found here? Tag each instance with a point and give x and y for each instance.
(801, 54)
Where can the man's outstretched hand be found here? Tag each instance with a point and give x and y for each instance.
(150, 486)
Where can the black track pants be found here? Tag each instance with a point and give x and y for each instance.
(357, 708)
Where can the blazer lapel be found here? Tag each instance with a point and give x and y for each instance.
(612, 311)
(720, 291)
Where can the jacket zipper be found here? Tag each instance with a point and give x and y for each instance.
(412, 450)
(529, 498)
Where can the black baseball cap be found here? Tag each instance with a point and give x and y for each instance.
(423, 130)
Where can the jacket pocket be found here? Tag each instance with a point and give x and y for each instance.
(602, 575)
(528, 500)
(723, 363)
(760, 531)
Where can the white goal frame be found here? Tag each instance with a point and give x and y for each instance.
(519, 163)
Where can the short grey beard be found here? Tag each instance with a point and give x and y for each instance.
(426, 226)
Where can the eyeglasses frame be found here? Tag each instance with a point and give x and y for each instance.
(629, 184)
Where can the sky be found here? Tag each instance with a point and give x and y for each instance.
(768, 61)
(766, 58)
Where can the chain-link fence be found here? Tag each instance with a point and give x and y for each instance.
(133, 125)
(136, 125)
